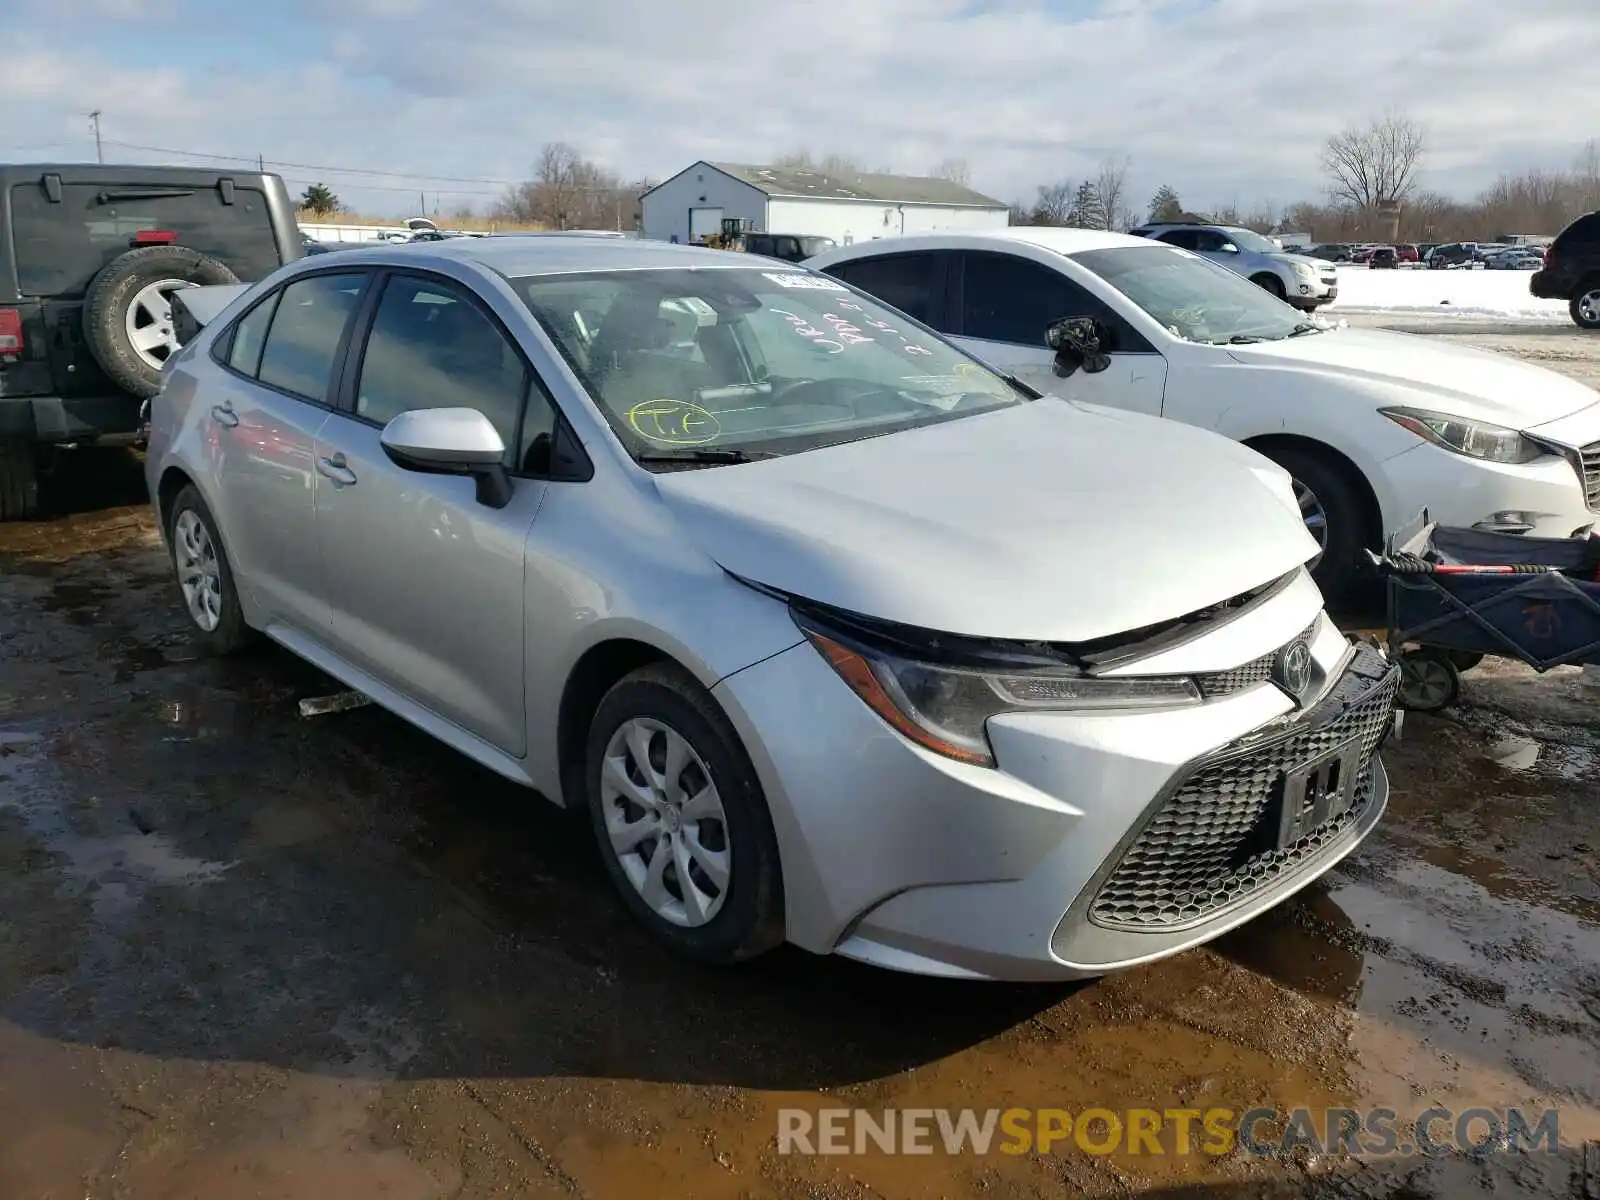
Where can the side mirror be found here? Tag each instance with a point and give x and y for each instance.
(1079, 342)
(1228, 248)
(451, 441)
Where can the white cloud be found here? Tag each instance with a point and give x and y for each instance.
(1222, 98)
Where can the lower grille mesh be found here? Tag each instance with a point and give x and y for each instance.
(1213, 842)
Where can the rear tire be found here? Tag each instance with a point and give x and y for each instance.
(1338, 571)
(131, 298)
(1585, 305)
(205, 578)
(19, 480)
(705, 813)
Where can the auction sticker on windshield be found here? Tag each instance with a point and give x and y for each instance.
(674, 423)
(796, 280)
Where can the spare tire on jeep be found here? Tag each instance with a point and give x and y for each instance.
(127, 311)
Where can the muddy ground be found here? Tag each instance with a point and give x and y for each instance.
(244, 954)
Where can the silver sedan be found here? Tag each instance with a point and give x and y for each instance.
(838, 635)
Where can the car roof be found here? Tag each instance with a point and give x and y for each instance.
(517, 255)
(1047, 237)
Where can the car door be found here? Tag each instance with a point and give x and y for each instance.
(426, 583)
(1003, 303)
(275, 394)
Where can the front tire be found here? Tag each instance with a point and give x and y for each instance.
(205, 579)
(1585, 305)
(1271, 283)
(681, 820)
(1333, 513)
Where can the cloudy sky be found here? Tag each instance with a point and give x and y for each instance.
(1226, 99)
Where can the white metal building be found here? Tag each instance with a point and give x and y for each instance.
(853, 208)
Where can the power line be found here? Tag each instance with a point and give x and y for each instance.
(278, 162)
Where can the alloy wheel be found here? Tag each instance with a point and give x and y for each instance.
(199, 574)
(148, 321)
(1589, 308)
(665, 822)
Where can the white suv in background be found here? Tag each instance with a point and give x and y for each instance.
(1303, 281)
(1373, 426)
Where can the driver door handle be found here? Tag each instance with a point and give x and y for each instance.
(223, 414)
(335, 469)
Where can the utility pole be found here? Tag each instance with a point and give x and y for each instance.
(94, 119)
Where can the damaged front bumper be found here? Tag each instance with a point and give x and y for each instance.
(1099, 840)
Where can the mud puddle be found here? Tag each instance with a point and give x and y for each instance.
(248, 954)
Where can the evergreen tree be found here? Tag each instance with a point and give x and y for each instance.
(1165, 205)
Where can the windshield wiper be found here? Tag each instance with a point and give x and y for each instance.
(1244, 339)
(1304, 328)
(700, 456)
(113, 197)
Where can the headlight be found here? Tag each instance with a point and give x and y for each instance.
(1492, 443)
(1306, 272)
(944, 708)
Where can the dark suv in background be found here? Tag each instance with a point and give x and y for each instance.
(89, 258)
(791, 247)
(1572, 271)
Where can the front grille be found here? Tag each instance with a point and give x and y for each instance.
(1589, 457)
(1256, 671)
(1213, 841)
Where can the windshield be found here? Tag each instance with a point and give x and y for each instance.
(1192, 298)
(1249, 239)
(709, 362)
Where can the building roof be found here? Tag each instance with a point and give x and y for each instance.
(813, 184)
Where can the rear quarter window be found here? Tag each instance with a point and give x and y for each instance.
(60, 248)
(1585, 231)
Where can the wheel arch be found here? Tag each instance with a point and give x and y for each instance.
(173, 480)
(1371, 510)
(595, 672)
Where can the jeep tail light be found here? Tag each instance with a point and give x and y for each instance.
(10, 331)
(154, 237)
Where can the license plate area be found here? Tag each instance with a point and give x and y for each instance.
(1319, 791)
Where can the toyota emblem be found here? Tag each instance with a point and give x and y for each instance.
(1292, 671)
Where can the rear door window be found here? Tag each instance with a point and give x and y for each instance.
(61, 247)
(913, 283)
(306, 333)
(1186, 239)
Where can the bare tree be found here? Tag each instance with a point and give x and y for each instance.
(1054, 204)
(1375, 163)
(568, 191)
(953, 169)
(1111, 184)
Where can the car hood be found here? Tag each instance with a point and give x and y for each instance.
(1478, 384)
(1303, 259)
(1049, 521)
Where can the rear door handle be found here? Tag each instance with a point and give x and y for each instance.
(224, 414)
(335, 469)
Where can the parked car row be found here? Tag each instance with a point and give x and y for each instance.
(882, 607)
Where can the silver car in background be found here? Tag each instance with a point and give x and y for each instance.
(1298, 279)
(838, 636)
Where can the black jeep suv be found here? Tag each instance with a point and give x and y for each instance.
(89, 258)
(1571, 271)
